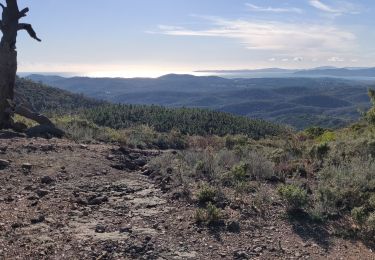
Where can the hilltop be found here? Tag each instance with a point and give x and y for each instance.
(135, 192)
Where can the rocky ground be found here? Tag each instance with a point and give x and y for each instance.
(62, 200)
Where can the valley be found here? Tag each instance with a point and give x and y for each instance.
(298, 102)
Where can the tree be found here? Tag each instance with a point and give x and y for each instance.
(9, 26)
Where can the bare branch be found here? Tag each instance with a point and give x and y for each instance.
(24, 12)
(27, 27)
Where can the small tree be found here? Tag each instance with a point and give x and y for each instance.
(9, 26)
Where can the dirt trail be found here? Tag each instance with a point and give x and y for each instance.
(62, 200)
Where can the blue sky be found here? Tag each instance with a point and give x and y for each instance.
(153, 37)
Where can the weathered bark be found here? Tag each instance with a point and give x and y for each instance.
(8, 70)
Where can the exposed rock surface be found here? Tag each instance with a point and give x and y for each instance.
(97, 202)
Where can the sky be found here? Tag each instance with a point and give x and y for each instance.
(131, 38)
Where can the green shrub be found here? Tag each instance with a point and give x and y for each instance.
(346, 186)
(371, 202)
(233, 141)
(295, 197)
(279, 155)
(370, 116)
(326, 137)
(213, 214)
(205, 165)
(210, 215)
(78, 129)
(370, 223)
(200, 216)
(317, 213)
(239, 173)
(262, 200)
(371, 148)
(314, 132)
(319, 151)
(246, 187)
(253, 166)
(359, 214)
(207, 194)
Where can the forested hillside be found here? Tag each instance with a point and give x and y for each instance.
(327, 102)
(47, 99)
(188, 121)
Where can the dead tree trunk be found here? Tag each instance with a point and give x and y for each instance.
(9, 26)
(8, 69)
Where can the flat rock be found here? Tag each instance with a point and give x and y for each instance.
(4, 164)
(27, 166)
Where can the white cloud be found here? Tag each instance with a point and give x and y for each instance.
(295, 40)
(168, 27)
(336, 59)
(298, 59)
(257, 8)
(323, 7)
(342, 7)
(272, 59)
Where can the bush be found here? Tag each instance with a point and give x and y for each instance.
(200, 216)
(233, 141)
(319, 151)
(346, 186)
(81, 129)
(239, 173)
(210, 215)
(206, 166)
(213, 214)
(326, 137)
(370, 223)
(359, 214)
(371, 148)
(207, 194)
(295, 197)
(257, 166)
(262, 200)
(371, 202)
(254, 167)
(145, 137)
(314, 132)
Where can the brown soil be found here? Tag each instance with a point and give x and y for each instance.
(62, 200)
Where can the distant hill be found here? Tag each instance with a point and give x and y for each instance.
(338, 72)
(266, 70)
(46, 99)
(334, 102)
(324, 71)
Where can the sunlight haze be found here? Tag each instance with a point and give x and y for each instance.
(149, 38)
